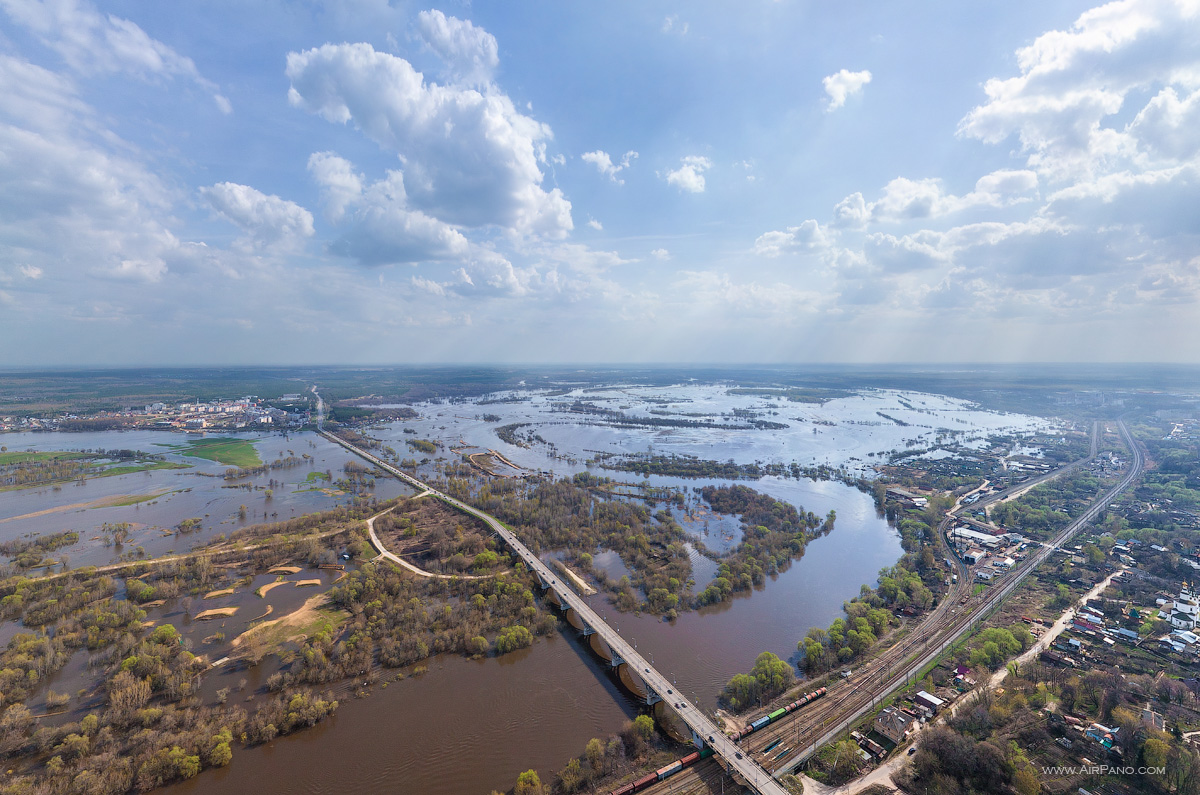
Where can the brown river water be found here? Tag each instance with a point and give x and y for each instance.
(466, 726)
(470, 726)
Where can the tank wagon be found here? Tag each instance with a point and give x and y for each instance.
(766, 720)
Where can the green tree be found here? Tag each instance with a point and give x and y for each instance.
(571, 776)
(513, 638)
(644, 726)
(772, 674)
(742, 691)
(595, 755)
(528, 783)
(1154, 752)
(1026, 781)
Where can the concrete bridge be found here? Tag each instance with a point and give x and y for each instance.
(632, 667)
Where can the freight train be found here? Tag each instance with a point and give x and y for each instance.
(663, 772)
(679, 764)
(779, 713)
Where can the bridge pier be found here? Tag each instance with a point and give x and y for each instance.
(631, 667)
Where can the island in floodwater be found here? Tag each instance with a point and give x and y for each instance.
(203, 572)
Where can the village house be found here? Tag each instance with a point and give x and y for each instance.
(894, 724)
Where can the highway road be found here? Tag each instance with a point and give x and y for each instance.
(813, 728)
(755, 777)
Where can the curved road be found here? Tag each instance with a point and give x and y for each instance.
(758, 779)
(862, 697)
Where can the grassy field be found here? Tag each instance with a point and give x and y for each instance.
(224, 450)
(132, 468)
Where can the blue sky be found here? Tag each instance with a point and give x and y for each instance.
(772, 181)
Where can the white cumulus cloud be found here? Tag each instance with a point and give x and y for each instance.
(340, 184)
(1072, 81)
(843, 85)
(604, 164)
(382, 228)
(266, 221)
(470, 53)
(471, 159)
(690, 175)
(808, 236)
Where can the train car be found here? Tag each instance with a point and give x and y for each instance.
(691, 758)
(705, 753)
(777, 714)
(667, 771)
(625, 790)
(644, 782)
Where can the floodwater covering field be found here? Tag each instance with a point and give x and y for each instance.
(470, 726)
(854, 431)
(169, 496)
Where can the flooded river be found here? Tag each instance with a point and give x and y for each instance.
(466, 726)
(200, 492)
(470, 726)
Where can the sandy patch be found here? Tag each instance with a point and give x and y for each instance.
(305, 583)
(263, 590)
(291, 626)
(218, 612)
(222, 592)
(103, 502)
(283, 570)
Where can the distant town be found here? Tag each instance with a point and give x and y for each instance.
(249, 412)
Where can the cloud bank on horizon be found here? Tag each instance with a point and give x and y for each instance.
(384, 182)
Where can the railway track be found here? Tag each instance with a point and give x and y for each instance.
(807, 729)
(901, 663)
